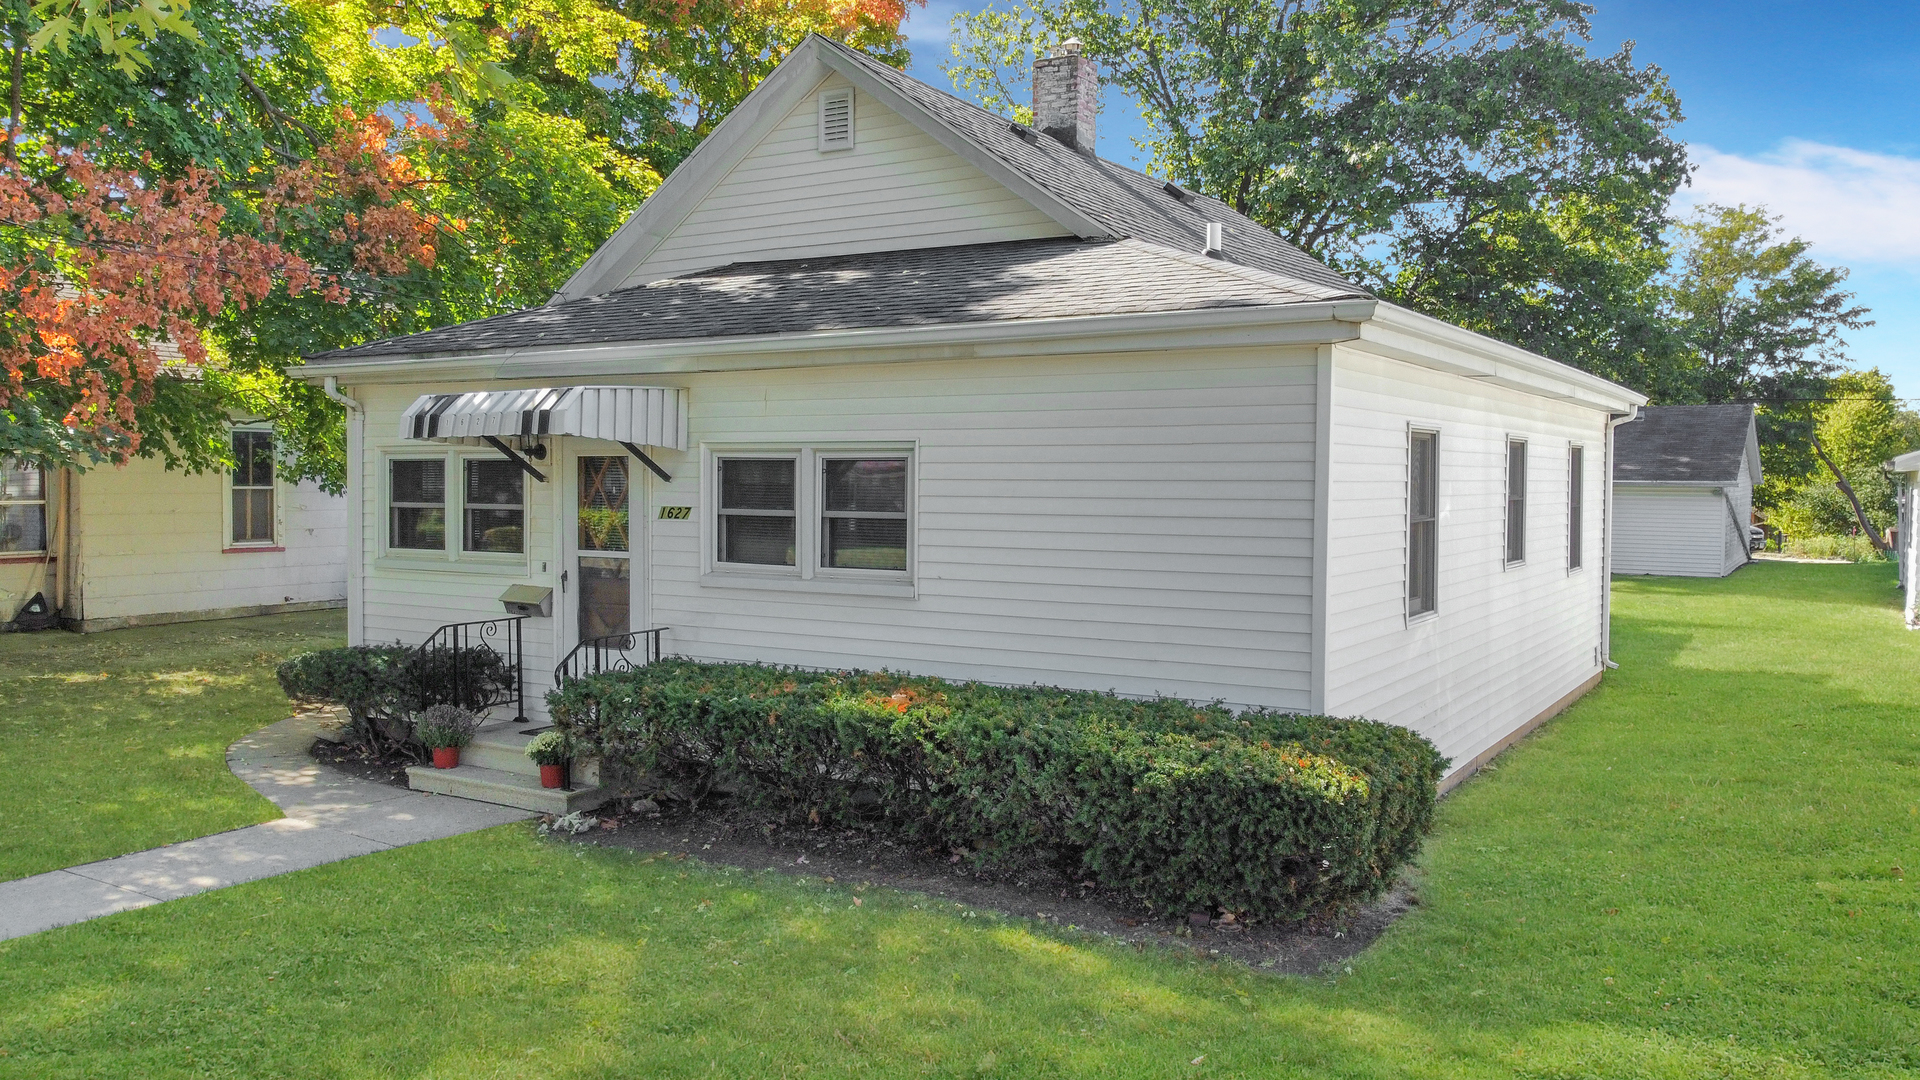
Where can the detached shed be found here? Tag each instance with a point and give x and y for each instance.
(1684, 477)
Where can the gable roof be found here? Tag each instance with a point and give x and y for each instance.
(1089, 197)
(1687, 444)
(1029, 279)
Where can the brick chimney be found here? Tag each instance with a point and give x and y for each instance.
(1066, 96)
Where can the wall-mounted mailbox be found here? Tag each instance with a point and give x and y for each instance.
(535, 600)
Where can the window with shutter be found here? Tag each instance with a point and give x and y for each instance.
(836, 120)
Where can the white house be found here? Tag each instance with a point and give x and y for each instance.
(138, 544)
(1683, 476)
(879, 379)
(1906, 477)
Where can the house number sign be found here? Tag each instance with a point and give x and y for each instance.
(675, 513)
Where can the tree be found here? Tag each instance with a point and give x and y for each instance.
(1464, 157)
(1856, 429)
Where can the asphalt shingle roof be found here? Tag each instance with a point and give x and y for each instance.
(1683, 444)
(1027, 279)
(1128, 203)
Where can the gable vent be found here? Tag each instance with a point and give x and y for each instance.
(836, 119)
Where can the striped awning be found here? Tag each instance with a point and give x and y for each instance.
(643, 415)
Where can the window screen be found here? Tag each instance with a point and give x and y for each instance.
(1423, 540)
(863, 513)
(23, 507)
(1516, 500)
(496, 511)
(417, 510)
(1576, 497)
(756, 518)
(253, 487)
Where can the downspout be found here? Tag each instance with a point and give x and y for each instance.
(1606, 542)
(356, 427)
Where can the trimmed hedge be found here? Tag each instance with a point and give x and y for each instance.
(1262, 813)
(384, 686)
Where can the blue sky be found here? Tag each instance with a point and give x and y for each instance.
(1811, 109)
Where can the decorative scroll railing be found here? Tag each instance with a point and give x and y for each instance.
(614, 652)
(475, 665)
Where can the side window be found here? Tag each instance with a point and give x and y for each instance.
(23, 508)
(757, 517)
(417, 505)
(1516, 500)
(252, 482)
(1576, 500)
(1423, 538)
(863, 513)
(495, 506)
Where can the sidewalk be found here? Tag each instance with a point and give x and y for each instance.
(330, 816)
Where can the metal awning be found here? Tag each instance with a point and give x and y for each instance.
(642, 415)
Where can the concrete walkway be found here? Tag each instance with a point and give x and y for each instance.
(330, 816)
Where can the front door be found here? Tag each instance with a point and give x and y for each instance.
(600, 550)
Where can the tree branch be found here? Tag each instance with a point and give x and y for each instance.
(1859, 513)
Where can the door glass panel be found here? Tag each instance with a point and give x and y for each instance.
(606, 596)
(603, 504)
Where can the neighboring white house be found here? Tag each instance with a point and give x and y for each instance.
(138, 544)
(880, 379)
(1906, 477)
(1683, 476)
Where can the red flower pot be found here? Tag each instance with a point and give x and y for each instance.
(446, 757)
(553, 775)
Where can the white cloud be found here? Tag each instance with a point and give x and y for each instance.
(1854, 206)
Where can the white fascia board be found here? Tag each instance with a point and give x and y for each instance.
(793, 81)
(1753, 451)
(1409, 336)
(1043, 200)
(1277, 325)
(1906, 463)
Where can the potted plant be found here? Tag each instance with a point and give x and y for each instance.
(550, 750)
(444, 729)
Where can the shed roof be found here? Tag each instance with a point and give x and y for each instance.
(1687, 444)
(1027, 279)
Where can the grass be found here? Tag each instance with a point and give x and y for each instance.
(116, 742)
(1690, 874)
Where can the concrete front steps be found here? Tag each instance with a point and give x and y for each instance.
(494, 769)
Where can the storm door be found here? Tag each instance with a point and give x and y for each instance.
(603, 545)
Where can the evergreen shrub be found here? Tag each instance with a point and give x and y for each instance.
(1186, 807)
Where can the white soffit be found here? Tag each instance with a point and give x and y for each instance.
(643, 415)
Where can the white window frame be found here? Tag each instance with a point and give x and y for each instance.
(1506, 499)
(228, 543)
(42, 502)
(1406, 604)
(807, 573)
(452, 554)
(826, 97)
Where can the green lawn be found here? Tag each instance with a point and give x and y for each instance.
(1690, 874)
(117, 741)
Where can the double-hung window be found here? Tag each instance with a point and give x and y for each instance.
(826, 513)
(1423, 523)
(252, 484)
(1516, 500)
(23, 508)
(1576, 499)
(417, 504)
(495, 506)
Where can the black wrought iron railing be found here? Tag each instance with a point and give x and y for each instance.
(475, 665)
(614, 652)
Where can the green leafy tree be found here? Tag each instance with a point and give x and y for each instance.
(1466, 158)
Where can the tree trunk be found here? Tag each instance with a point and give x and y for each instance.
(1859, 513)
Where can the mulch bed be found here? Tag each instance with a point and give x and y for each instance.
(362, 763)
(854, 857)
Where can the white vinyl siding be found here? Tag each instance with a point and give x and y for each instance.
(1508, 641)
(895, 188)
(1109, 522)
(1675, 530)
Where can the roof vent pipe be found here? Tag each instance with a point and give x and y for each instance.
(1066, 96)
(1216, 240)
